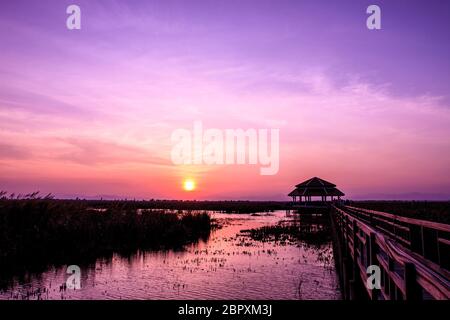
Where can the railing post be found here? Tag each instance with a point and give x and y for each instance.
(345, 236)
(355, 268)
(355, 241)
(391, 285)
(430, 244)
(412, 289)
(373, 260)
(353, 271)
(444, 253)
(415, 238)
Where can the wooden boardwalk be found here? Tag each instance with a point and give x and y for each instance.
(413, 255)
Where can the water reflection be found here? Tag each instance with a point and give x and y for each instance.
(263, 256)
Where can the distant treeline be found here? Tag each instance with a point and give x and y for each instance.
(238, 206)
(227, 206)
(58, 231)
(437, 211)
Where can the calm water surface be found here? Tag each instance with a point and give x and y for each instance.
(229, 265)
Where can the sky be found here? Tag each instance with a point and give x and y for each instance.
(90, 112)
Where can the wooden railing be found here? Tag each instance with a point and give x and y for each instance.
(429, 239)
(401, 247)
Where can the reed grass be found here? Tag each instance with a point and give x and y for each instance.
(34, 228)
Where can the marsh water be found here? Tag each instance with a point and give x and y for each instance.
(230, 264)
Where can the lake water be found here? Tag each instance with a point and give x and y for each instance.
(229, 265)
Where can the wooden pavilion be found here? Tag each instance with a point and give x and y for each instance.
(315, 187)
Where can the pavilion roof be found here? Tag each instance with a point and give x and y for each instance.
(316, 187)
(316, 183)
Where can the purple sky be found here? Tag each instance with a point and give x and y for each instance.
(90, 112)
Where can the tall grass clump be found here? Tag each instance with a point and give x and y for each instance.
(43, 229)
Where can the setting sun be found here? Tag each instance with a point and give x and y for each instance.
(189, 185)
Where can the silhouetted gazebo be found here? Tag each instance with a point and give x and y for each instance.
(315, 187)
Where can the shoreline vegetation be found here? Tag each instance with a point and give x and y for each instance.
(39, 231)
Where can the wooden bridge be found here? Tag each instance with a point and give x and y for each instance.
(413, 255)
